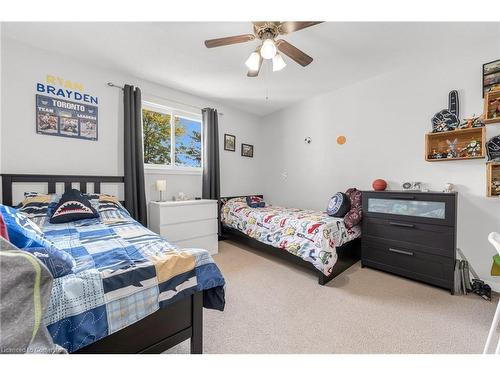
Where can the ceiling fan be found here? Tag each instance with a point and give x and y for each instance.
(267, 32)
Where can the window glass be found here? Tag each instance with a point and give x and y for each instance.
(156, 129)
(187, 142)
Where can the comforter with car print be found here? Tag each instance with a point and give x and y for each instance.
(311, 235)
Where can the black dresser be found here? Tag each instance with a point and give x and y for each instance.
(412, 234)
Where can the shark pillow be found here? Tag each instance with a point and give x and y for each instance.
(73, 206)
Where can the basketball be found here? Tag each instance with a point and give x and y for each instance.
(379, 185)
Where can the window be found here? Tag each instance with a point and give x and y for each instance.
(171, 138)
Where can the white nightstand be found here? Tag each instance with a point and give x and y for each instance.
(186, 223)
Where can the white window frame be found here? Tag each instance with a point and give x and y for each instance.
(173, 112)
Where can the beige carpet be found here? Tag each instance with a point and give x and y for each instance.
(273, 306)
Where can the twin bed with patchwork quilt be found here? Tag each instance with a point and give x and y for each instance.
(313, 237)
(121, 274)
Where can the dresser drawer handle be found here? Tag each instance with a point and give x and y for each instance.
(406, 197)
(401, 251)
(393, 223)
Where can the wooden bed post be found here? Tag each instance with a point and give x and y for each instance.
(197, 324)
(6, 190)
(323, 279)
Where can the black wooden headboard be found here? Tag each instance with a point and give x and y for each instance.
(52, 180)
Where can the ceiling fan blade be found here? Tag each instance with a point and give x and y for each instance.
(288, 27)
(293, 52)
(255, 73)
(219, 42)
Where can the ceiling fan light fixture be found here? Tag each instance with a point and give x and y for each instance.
(268, 49)
(278, 63)
(253, 62)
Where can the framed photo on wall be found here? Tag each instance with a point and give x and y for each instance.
(491, 76)
(63, 118)
(247, 150)
(229, 142)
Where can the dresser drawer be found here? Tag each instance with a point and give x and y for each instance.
(441, 239)
(185, 213)
(183, 231)
(209, 243)
(427, 208)
(407, 261)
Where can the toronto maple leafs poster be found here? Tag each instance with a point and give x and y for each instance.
(64, 118)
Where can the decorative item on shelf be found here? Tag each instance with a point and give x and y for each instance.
(496, 187)
(436, 155)
(478, 122)
(473, 148)
(379, 184)
(417, 186)
(453, 103)
(444, 121)
(492, 106)
(452, 148)
(491, 76)
(161, 187)
(493, 148)
(473, 122)
(229, 142)
(448, 188)
(181, 196)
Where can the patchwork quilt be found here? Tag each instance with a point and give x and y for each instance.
(311, 235)
(123, 273)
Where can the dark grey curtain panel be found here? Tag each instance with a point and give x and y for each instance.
(135, 191)
(211, 170)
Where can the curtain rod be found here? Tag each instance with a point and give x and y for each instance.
(111, 84)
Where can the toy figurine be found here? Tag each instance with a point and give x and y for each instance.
(473, 148)
(473, 122)
(452, 148)
(495, 187)
(494, 108)
(477, 122)
(448, 188)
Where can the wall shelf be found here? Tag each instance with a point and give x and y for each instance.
(491, 107)
(492, 176)
(436, 142)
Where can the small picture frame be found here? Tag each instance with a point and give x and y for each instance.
(229, 142)
(491, 76)
(247, 150)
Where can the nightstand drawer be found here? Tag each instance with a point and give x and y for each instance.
(182, 231)
(406, 261)
(441, 238)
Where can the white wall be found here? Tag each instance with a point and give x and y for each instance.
(385, 119)
(24, 151)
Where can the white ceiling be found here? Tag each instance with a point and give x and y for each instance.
(173, 54)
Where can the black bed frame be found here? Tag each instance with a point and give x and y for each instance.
(155, 333)
(348, 254)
